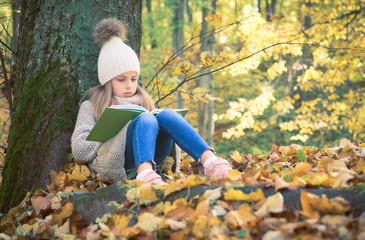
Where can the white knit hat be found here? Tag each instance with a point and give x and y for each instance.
(115, 56)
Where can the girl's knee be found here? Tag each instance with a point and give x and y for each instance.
(166, 114)
(147, 119)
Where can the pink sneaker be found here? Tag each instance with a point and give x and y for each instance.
(154, 178)
(219, 168)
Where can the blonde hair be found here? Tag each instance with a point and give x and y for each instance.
(102, 97)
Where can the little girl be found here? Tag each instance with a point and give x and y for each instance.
(147, 140)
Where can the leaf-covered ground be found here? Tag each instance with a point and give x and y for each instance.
(214, 214)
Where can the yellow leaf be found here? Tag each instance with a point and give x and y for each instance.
(184, 94)
(146, 193)
(199, 226)
(80, 173)
(192, 50)
(121, 221)
(132, 194)
(256, 196)
(65, 213)
(149, 222)
(183, 67)
(302, 168)
(206, 59)
(234, 175)
(236, 195)
(237, 157)
(175, 186)
(214, 19)
(170, 62)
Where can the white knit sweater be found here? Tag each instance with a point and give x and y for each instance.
(104, 158)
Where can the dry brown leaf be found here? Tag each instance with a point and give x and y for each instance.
(274, 203)
(312, 205)
(239, 218)
(281, 184)
(63, 232)
(40, 203)
(213, 194)
(175, 225)
(65, 213)
(301, 168)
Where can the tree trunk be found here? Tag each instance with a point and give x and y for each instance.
(211, 104)
(151, 23)
(203, 81)
(56, 61)
(178, 38)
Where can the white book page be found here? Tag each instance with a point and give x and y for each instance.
(131, 107)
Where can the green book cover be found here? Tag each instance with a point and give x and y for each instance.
(113, 119)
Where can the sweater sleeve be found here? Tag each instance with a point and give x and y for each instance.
(84, 151)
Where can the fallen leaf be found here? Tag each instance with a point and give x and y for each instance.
(301, 168)
(236, 195)
(234, 175)
(256, 196)
(199, 227)
(239, 218)
(79, 173)
(146, 194)
(213, 194)
(121, 221)
(148, 222)
(277, 235)
(65, 213)
(237, 157)
(63, 232)
(40, 203)
(175, 225)
(274, 203)
(312, 205)
(344, 143)
(281, 184)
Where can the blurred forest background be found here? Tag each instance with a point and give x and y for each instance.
(252, 72)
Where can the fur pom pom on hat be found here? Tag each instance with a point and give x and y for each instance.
(115, 56)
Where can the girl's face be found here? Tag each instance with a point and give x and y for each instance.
(125, 85)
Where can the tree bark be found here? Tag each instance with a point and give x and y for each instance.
(203, 81)
(151, 23)
(178, 38)
(211, 104)
(56, 62)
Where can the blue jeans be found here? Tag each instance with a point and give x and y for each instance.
(150, 138)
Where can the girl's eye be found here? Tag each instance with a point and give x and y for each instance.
(134, 79)
(120, 79)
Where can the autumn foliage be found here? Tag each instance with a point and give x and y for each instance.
(222, 211)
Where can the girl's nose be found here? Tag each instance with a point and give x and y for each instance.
(129, 84)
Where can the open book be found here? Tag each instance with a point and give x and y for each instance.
(115, 117)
